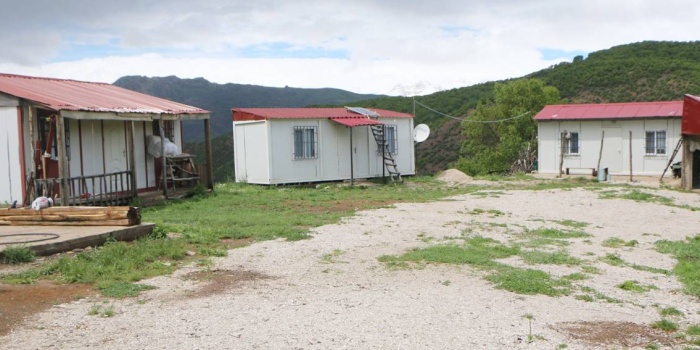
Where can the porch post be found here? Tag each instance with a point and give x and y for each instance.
(352, 170)
(207, 144)
(132, 155)
(162, 158)
(32, 154)
(62, 160)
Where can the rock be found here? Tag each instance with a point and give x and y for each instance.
(190, 253)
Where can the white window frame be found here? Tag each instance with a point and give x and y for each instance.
(305, 142)
(391, 141)
(655, 142)
(567, 144)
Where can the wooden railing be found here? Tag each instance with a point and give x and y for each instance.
(96, 190)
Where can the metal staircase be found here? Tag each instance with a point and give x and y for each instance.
(383, 147)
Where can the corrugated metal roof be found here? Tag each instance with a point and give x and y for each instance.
(73, 95)
(305, 113)
(663, 109)
(360, 121)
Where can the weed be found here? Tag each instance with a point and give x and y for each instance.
(634, 286)
(613, 259)
(108, 311)
(17, 254)
(562, 346)
(571, 223)
(528, 281)
(445, 283)
(529, 318)
(555, 258)
(590, 269)
(555, 234)
(693, 330)
(219, 252)
(665, 325)
(670, 311)
(577, 276)
(652, 346)
(329, 258)
(613, 242)
(543, 242)
(650, 269)
(584, 297)
(94, 310)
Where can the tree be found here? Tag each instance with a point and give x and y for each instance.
(498, 131)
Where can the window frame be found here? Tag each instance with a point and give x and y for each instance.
(305, 145)
(657, 143)
(393, 141)
(567, 144)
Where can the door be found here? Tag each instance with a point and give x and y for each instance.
(115, 147)
(612, 150)
(360, 154)
(696, 169)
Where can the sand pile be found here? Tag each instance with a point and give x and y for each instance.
(454, 176)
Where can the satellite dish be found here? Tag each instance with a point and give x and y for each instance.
(421, 133)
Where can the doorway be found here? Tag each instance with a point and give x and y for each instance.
(696, 169)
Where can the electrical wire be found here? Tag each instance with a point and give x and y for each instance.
(473, 121)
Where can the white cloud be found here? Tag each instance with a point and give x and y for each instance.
(388, 43)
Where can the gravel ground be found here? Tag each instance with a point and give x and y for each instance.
(330, 292)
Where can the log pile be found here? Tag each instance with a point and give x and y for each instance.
(71, 216)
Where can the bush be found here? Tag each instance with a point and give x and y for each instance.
(17, 255)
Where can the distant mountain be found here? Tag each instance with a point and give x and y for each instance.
(220, 98)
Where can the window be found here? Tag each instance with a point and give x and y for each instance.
(305, 142)
(390, 134)
(168, 129)
(47, 130)
(571, 143)
(656, 142)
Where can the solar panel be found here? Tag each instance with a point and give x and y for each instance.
(363, 111)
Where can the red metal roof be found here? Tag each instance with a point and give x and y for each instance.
(663, 109)
(240, 114)
(690, 124)
(62, 94)
(360, 121)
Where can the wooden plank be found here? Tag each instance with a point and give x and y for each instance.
(31, 212)
(121, 222)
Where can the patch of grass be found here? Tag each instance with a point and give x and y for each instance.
(670, 311)
(637, 196)
(650, 269)
(553, 258)
(543, 242)
(122, 289)
(585, 297)
(634, 286)
(688, 266)
(615, 242)
(613, 259)
(555, 234)
(94, 310)
(528, 281)
(330, 258)
(571, 223)
(576, 276)
(665, 325)
(652, 346)
(590, 269)
(17, 254)
(475, 251)
(693, 330)
(218, 252)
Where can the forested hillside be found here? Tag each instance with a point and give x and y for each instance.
(645, 71)
(220, 98)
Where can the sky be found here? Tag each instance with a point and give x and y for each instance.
(397, 47)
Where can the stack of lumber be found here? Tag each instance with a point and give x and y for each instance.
(71, 216)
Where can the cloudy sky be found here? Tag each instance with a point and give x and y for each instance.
(390, 47)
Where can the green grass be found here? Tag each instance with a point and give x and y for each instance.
(670, 311)
(688, 266)
(529, 281)
(481, 252)
(634, 286)
(613, 259)
(693, 330)
(665, 325)
(17, 254)
(555, 234)
(571, 223)
(615, 242)
(231, 211)
(554, 258)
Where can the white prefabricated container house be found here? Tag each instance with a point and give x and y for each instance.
(637, 138)
(302, 145)
(82, 142)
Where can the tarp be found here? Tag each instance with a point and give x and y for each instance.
(690, 124)
(356, 121)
